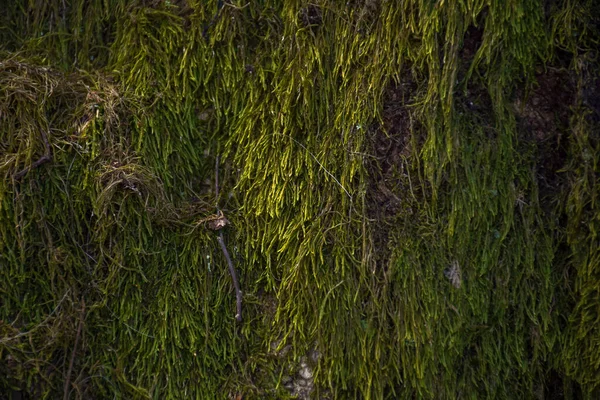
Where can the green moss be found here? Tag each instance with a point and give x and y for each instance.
(435, 241)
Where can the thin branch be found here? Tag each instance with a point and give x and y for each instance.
(42, 160)
(221, 240)
(74, 353)
(236, 284)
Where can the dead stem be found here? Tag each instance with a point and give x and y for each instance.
(236, 284)
(221, 240)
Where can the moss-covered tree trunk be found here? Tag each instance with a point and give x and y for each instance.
(408, 192)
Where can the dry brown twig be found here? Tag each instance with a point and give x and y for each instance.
(217, 224)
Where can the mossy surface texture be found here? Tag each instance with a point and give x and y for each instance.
(412, 189)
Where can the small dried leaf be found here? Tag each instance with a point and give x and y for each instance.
(218, 223)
